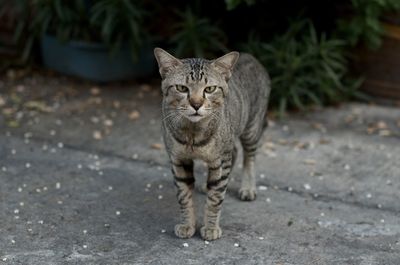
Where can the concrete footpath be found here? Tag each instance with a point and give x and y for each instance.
(84, 179)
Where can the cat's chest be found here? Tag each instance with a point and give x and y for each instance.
(188, 147)
(204, 149)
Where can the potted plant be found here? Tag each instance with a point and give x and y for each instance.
(100, 40)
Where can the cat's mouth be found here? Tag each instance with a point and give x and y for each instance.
(195, 117)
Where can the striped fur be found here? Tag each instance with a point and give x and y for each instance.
(204, 125)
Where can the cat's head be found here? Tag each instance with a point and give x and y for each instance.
(195, 87)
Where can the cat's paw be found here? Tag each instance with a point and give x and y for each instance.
(210, 233)
(184, 230)
(247, 194)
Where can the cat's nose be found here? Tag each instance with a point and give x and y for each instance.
(196, 105)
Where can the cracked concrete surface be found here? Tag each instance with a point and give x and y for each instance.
(328, 184)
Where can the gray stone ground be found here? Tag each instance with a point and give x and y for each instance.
(328, 183)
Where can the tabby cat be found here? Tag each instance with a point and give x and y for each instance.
(207, 105)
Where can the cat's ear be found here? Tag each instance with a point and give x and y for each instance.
(225, 64)
(166, 62)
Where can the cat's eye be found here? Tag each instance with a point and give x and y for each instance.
(210, 89)
(182, 89)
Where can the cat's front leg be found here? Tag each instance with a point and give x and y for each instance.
(217, 183)
(184, 181)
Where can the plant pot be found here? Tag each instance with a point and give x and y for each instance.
(93, 61)
(381, 67)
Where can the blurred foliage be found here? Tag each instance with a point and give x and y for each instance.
(305, 68)
(120, 21)
(307, 59)
(365, 24)
(196, 36)
(108, 21)
(232, 4)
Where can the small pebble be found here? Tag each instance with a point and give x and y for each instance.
(262, 176)
(290, 189)
(379, 206)
(53, 150)
(60, 145)
(163, 230)
(12, 241)
(346, 167)
(382, 220)
(148, 185)
(108, 123)
(19, 189)
(38, 190)
(16, 211)
(160, 186)
(160, 197)
(52, 132)
(44, 147)
(21, 204)
(58, 185)
(185, 245)
(236, 244)
(85, 232)
(97, 135)
(44, 188)
(60, 202)
(79, 166)
(309, 161)
(322, 214)
(261, 238)
(4, 169)
(27, 165)
(110, 188)
(118, 213)
(135, 156)
(16, 217)
(307, 186)
(40, 222)
(13, 151)
(84, 246)
(206, 242)
(261, 187)
(4, 259)
(268, 200)
(369, 195)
